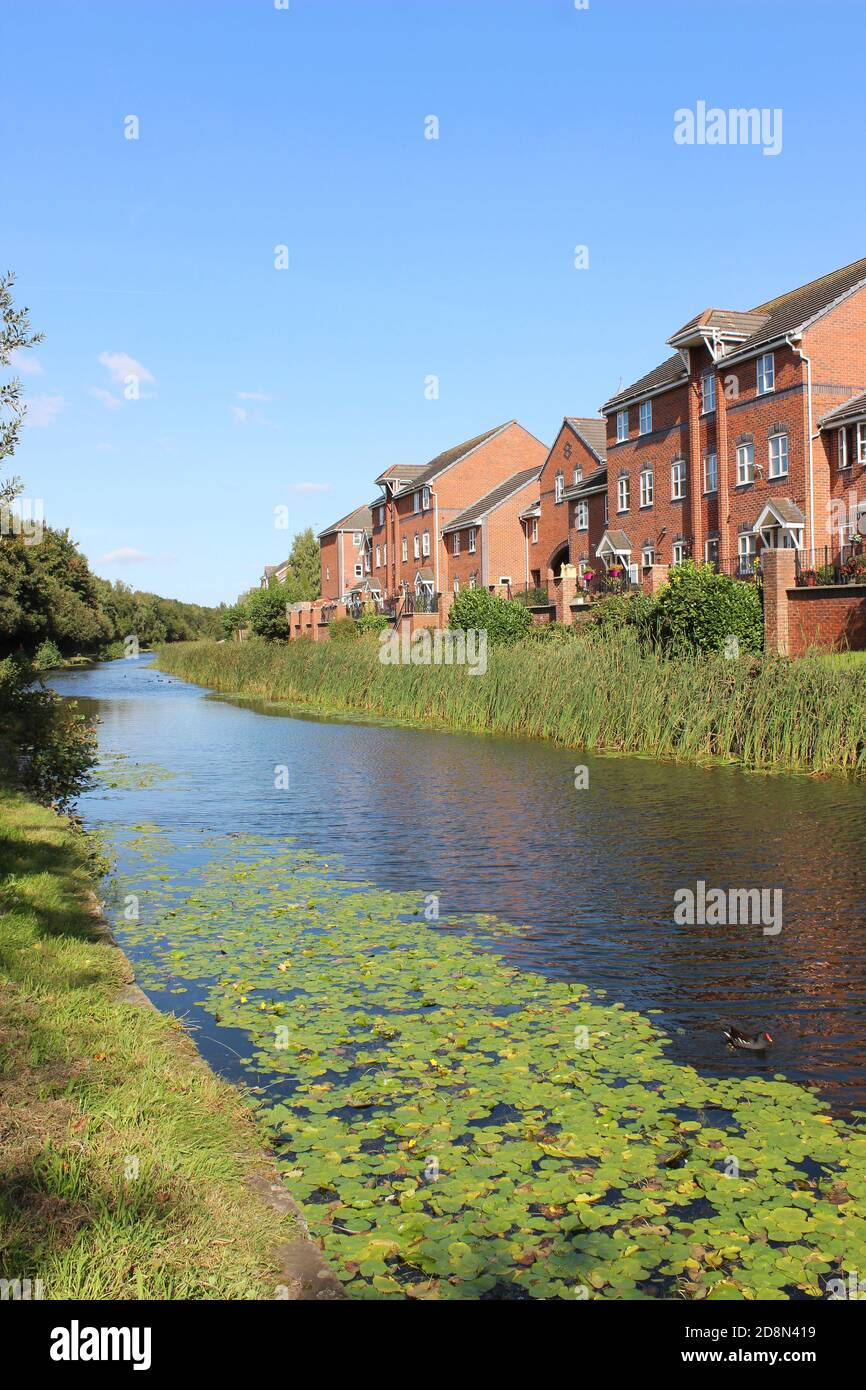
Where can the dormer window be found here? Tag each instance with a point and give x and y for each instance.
(621, 426)
(425, 498)
(577, 476)
(646, 417)
(766, 373)
(416, 501)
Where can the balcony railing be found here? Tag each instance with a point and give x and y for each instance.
(844, 564)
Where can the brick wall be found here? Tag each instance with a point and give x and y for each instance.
(832, 618)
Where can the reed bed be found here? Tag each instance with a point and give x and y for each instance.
(807, 715)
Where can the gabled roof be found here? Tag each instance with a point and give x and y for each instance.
(726, 323)
(617, 541)
(787, 313)
(444, 460)
(855, 409)
(782, 511)
(405, 472)
(491, 500)
(595, 482)
(361, 519)
(592, 431)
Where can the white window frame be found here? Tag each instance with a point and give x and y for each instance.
(711, 474)
(425, 498)
(577, 475)
(472, 581)
(606, 509)
(455, 548)
(558, 487)
(425, 544)
(378, 556)
(745, 463)
(405, 549)
(679, 480)
(679, 553)
(416, 546)
(645, 425)
(472, 536)
(385, 553)
(766, 373)
(581, 515)
(456, 585)
(621, 426)
(715, 559)
(708, 393)
(747, 549)
(358, 537)
(623, 494)
(416, 501)
(780, 457)
(647, 487)
(648, 556)
(359, 572)
(533, 536)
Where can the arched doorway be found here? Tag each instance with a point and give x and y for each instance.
(559, 558)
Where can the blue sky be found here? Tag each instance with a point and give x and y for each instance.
(408, 257)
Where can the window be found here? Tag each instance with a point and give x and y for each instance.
(623, 494)
(358, 536)
(621, 426)
(746, 552)
(745, 463)
(378, 556)
(778, 455)
(711, 473)
(681, 552)
(385, 554)
(471, 540)
(678, 480)
(359, 573)
(647, 484)
(416, 501)
(456, 585)
(456, 546)
(473, 579)
(708, 393)
(581, 516)
(559, 485)
(577, 476)
(852, 444)
(533, 535)
(766, 373)
(425, 498)
(606, 509)
(648, 556)
(425, 543)
(646, 417)
(505, 579)
(416, 546)
(405, 549)
(711, 551)
(327, 571)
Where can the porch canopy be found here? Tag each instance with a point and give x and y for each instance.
(614, 545)
(425, 579)
(780, 524)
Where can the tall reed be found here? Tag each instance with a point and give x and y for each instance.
(807, 715)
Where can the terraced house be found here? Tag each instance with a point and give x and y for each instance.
(751, 434)
(487, 544)
(345, 553)
(558, 528)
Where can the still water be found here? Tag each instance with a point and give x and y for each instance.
(498, 826)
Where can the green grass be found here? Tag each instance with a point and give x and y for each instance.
(807, 715)
(125, 1164)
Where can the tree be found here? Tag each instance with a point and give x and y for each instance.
(266, 613)
(15, 334)
(304, 577)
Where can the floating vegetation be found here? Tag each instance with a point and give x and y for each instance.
(117, 772)
(457, 1128)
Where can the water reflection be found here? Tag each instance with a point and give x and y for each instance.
(496, 825)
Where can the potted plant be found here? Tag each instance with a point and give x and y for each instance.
(808, 578)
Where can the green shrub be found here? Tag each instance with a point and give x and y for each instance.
(48, 656)
(478, 610)
(343, 630)
(372, 622)
(266, 613)
(617, 611)
(46, 748)
(698, 609)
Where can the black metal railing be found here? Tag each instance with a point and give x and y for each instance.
(421, 602)
(616, 580)
(845, 564)
(531, 595)
(746, 567)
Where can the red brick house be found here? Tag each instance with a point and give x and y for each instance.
(408, 549)
(345, 553)
(746, 436)
(578, 455)
(486, 544)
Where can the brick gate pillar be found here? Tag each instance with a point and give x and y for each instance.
(565, 593)
(778, 569)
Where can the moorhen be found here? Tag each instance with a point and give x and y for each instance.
(759, 1043)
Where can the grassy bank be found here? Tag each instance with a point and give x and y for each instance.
(804, 716)
(126, 1166)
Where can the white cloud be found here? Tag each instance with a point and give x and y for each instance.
(27, 363)
(126, 556)
(43, 411)
(121, 366)
(260, 396)
(239, 414)
(108, 399)
(310, 487)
